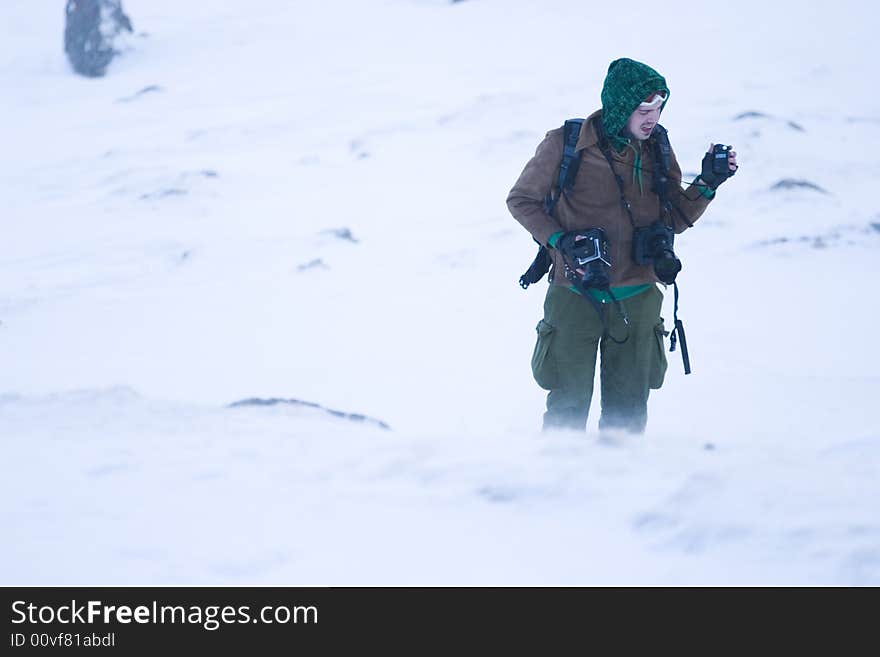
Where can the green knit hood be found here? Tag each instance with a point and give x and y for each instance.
(627, 84)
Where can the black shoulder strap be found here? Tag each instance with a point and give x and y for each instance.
(662, 165)
(568, 167)
(662, 161)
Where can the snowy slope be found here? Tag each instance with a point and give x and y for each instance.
(306, 200)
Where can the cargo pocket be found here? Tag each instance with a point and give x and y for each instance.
(658, 357)
(544, 367)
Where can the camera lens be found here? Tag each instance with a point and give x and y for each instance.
(667, 267)
(596, 276)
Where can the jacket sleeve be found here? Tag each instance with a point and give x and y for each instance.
(691, 201)
(526, 199)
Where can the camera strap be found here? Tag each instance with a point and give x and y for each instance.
(622, 311)
(600, 309)
(572, 276)
(662, 158)
(678, 335)
(603, 146)
(662, 165)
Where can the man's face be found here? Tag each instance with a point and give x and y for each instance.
(641, 122)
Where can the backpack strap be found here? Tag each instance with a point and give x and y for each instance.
(568, 168)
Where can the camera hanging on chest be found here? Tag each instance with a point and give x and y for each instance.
(652, 244)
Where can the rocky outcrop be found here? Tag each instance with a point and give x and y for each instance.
(354, 417)
(92, 32)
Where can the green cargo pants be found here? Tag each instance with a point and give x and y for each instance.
(564, 360)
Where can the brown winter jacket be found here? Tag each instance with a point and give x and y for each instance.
(594, 201)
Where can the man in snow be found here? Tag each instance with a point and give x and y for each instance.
(621, 185)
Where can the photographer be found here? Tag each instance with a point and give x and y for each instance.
(608, 232)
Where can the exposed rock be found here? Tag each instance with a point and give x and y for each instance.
(317, 263)
(751, 115)
(164, 193)
(358, 149)
(153, 88)
(790, 183)
(91, 34)
(497, 494)
(341, 233)
(848, 235)
(760, 115)
(274, 401)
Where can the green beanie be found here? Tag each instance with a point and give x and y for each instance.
(627, 84)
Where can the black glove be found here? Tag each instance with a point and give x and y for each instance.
(711, 178)
(566, 243)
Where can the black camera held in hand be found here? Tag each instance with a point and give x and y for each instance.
(587, 251)
(716, 166)
(652, 245)
(720, 166)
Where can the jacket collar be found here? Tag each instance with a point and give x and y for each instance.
(588, 136)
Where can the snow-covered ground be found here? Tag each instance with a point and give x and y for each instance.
(306, 200)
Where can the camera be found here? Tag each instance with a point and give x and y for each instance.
(720, 165)
(652, 245)
(589, 253)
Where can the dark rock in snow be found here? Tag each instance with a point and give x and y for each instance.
(164, 193)
(848, 235)
(342, 233)
(761, 115)
(91, 31)
(790, 183)
(358, 149)
(153, 88)
(317, 263)
(774, 241)
(751, 115)
(497, 494)
(274, 401)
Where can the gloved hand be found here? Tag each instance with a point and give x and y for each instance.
(567, 242)
(711, 178)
